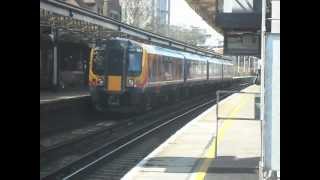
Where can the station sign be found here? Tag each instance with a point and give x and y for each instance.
(241, 43)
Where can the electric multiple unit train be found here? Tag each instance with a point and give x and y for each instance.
(125, 75)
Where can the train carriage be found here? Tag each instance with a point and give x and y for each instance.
(125, 75)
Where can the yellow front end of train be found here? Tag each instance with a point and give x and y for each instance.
(117, 75)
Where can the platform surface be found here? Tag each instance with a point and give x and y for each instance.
(50, 97)
(190, 152)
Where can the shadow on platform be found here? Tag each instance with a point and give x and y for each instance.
(221, 164)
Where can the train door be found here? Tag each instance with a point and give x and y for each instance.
(115, 66)
(185, 69)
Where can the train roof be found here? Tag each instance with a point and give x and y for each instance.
(174, 53)
(194, 56)
(226, 62)
(162, 51)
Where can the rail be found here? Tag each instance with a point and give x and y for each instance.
(73, 169)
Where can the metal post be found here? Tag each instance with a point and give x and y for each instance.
(249, 65)
(238, 65)
(217, 126)
(55, 58)
(254, 64)
(55, 65)
(244, 64)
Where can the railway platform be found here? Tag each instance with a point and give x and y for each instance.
(51, 97)
(196, 152)
(50, 101)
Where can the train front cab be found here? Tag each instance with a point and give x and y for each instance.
(116, 74)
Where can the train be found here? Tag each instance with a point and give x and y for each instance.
(130, 76)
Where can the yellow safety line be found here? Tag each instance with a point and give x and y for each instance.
(210, 154)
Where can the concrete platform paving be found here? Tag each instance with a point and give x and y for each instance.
(190, 152)
(50, 97)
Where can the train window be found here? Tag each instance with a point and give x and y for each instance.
(219, 68)
(176, 68)
(153, 68)
(134, 62)
(98, 62)
(167, 68)
(187, 69)
(173, 67)
(179, 68)
(204, 69)
(211, 69)
(197, 69)
(216, 70)
(192, 67)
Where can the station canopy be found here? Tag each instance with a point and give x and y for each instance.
(72, 23)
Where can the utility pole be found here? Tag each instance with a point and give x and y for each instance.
(54, 38)
(169, 13)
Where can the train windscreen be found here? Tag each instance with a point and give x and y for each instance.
(98, 62)
(109, 58)
(134, 61)
(115, 57)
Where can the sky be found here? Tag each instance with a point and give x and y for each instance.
(182, 14)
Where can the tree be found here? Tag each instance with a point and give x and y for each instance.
(141, 13)
(194, 36)
(137, 12)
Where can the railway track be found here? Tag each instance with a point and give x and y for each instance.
(118, 141)
(102, 128)
(107, 126)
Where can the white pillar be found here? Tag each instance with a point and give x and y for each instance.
(271, 93)
(272, 103)
(227, 6)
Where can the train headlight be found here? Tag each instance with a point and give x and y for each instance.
(100, 82)
(131, 83)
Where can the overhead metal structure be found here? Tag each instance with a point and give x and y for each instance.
(84, 16)
(239, 21)
(207, 9)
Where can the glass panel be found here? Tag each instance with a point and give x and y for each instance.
(134, 63)
(98, 62)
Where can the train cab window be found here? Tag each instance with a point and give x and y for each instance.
(114, 57)
(98, 62)
(134, 61)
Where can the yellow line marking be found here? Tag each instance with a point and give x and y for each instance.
(210, 154)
